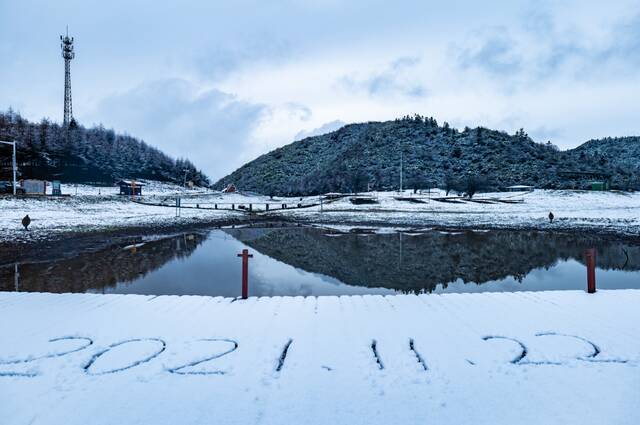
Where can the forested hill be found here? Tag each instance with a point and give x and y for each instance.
(368, 154)
(616, 152)
(48, 151)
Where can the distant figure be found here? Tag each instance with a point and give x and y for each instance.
(551, 216)
(26, 221)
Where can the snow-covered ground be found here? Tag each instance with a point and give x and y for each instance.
(95, 208)
(493, 358)
(99, 208)
(617, 212)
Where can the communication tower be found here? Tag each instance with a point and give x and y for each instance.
(66, 43)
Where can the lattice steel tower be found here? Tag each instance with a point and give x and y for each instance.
(67, 54)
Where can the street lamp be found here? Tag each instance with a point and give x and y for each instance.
(15, 167)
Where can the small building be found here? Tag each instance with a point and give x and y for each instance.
(34, 187)
(56, 188)
(599, 185)
(333, 195)
(593, 180)
(520, 188)
(231, 188)
(130, 187)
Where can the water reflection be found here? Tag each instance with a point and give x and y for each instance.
(420, 261)
(313, 261)
(98, 270)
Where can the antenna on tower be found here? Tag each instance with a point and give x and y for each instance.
(67, 54)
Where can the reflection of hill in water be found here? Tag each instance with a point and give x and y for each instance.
(415, 263)
(100, 269)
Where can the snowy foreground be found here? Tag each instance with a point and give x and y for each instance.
(492, 358)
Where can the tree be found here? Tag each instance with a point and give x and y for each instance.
(472, 184)
(358, 180)
(520, 134)
(79, 154)
(450, 183)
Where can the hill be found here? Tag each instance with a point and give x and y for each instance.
(364, 155)
(93, 155)
(621, 154)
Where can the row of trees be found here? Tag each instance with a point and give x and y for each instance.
(50, 151)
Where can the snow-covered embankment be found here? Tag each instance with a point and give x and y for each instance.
(493, 358)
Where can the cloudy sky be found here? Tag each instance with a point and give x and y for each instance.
(223, 82)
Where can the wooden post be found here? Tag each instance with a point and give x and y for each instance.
(266, 207)
(245, 272)
(16, 278)
(590, 256)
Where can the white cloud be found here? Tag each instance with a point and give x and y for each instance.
(391, 81)
(211, 128)
(323, 129)
(223, 82)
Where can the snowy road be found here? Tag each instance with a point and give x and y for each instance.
(493, 358)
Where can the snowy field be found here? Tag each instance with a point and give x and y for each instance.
(495, 358)
(98, 208)
(617, 212)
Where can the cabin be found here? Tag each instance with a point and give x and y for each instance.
(231, 188)
(130, 187)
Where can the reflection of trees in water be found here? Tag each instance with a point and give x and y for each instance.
(100, 269)
(417, 263)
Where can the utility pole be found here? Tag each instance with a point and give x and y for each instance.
(184, 183)
(15, 165)
(401, 159)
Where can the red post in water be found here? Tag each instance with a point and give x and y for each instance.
(245, 272)
(590, 256)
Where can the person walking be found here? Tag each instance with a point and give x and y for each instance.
(26, 221)
(551, 217)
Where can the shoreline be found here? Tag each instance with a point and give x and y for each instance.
(70, 243)
(67, 244)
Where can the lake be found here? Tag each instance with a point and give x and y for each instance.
(312, 261)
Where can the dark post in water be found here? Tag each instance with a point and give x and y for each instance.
(245, 272)
(590, 255)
